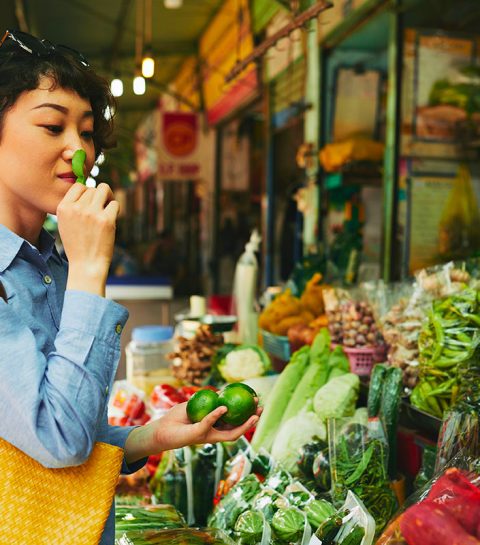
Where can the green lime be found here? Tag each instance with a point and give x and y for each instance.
(201, 403)
(241, 385)
(239, 402)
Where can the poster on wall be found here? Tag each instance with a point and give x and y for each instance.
(428, 197)
(441, 94)
(356, 104)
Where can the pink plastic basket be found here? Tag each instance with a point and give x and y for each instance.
(362, 360)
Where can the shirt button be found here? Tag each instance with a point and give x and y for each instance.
(118, 328)
(47, 279)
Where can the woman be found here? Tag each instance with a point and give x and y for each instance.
(59, 336)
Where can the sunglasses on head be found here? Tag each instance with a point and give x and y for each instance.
(41, 48)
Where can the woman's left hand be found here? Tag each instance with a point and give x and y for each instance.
(174, 430)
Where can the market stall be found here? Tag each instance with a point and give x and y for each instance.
(369, 426)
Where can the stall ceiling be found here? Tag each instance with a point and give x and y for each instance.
(105, 31)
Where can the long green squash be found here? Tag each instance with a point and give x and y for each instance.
(314, 378)
(278, 399)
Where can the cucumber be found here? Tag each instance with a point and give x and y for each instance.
(375, 389)
(389, 413)
(330, 528)
(354, 537)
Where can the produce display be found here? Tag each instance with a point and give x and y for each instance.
(322, 465)
(287, 311)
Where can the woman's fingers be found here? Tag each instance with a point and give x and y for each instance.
(234, 433)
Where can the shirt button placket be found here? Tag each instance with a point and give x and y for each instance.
(47, 279)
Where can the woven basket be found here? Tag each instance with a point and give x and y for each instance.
(56, 506)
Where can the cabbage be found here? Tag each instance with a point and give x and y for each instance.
(338, 397)
(294, 433)
(244, 362)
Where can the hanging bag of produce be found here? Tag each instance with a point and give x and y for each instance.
(459, 230)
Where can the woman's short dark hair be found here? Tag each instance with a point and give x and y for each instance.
(21, 71)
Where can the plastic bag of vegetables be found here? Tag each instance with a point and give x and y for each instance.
(359, 459)
(172, 482)
(252, 528)
(290, 526)
(447, 511)
(148, 517)
(183, 536)
(207, 465)
(352, 524)
(238, 500)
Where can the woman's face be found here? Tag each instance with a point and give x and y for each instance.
(39, 137)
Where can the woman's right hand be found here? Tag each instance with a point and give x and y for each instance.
(86, 223)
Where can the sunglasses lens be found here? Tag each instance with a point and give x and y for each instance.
(29, 43)
(42, 47)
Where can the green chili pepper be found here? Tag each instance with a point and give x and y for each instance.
(78, 161)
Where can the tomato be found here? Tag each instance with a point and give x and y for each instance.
(165, 396)
(188, 391)
(135, 407)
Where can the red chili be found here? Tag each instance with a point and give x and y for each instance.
(165, 396)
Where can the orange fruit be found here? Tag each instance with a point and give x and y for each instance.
(202, 403)
(239, 402)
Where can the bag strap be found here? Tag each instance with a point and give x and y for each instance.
(3, 293)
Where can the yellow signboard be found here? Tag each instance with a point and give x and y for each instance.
(227, 40)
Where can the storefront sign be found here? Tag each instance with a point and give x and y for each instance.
(168, 147)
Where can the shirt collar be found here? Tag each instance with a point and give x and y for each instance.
(11, 244)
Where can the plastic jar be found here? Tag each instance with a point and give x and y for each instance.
(146, 353)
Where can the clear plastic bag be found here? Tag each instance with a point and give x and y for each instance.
(207, 465)
(446, 511)
(359, 461)
(149, 517)
(184, 536)
(352, 522)
(173, 483)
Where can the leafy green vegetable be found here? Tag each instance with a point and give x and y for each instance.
(249, 527)
(279, 398)
(288, 524)
(375, 389)
(297, 431)
(315, 376)
(78, 162)
(338, 397)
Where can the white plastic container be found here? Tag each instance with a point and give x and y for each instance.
(146, 353)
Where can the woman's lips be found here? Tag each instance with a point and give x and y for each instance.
(71, 179)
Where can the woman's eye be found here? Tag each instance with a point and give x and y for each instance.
(56, 129)
(87, 134)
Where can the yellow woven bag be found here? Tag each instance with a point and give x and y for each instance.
(56, 506)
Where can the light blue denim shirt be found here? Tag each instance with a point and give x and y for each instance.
(59, 352)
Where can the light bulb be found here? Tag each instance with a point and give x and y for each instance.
(172, 4)
(116, 87)
(139, 85)
(148, 66)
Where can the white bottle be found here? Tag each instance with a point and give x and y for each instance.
(244, 291)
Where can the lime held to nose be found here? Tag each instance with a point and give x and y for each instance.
(202, 403)
(240, 404)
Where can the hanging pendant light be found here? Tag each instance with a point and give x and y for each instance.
(173, 4)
